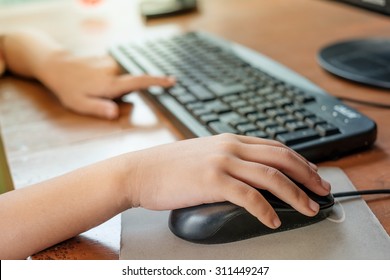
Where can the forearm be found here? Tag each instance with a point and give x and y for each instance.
(26, 52)
(39, 216)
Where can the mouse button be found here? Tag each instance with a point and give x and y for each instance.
(293, 219)
(201, 222)
(324, 201)
(240, 227)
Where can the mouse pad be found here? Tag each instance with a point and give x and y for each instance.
(351, 232)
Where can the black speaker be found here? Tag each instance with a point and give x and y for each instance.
(382, 6)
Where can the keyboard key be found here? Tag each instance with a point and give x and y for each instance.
(275, 112)
(314, 120)
(262, 107)
(220, 127)
(201, 92)
(238, 103)
(273, 131)
(177, 91)
(194, 105)
(186, 98)
(247, 110)
(296, 137)
(257, 116)
(302, 114)
(266, 123)
(217, 106)
(284, 102)
(231, 98)
(244, 128)
(222, 90)
(285, 119)
(296, 125)
(207, 118)
(326, 129)
(257, 133)
(304, 98)
(201, 111)
(233, 118)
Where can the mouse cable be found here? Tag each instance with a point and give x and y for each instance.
(363, 102)
(363, 192)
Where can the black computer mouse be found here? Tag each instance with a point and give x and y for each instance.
(226, 222)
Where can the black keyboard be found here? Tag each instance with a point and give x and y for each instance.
(224, 87)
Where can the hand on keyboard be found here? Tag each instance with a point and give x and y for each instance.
(87, 85)
(225, 167)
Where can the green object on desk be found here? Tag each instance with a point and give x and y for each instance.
(5, 176)
(15, 2)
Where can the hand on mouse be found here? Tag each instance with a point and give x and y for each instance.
(224, 167)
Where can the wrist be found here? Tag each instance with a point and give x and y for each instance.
(44, 69)
(130, 177)
(26, 51)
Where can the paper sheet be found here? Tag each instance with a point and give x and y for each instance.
(351, 232)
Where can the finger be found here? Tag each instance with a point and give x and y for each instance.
(249, 198)
(287, 161)
(128, 83)
(260, 141)
(98, 107)
(274, 181)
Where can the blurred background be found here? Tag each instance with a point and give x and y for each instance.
(82, 25)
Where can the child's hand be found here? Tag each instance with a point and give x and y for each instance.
(224, 167)
(87, 85)
(2, 60)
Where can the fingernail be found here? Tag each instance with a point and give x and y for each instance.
(315, 167)
(111, 113)
(325, 185)
(276, 222)
(314, 206)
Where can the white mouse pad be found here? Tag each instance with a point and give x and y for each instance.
(351, 232)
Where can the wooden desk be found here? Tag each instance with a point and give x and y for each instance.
(43, 140)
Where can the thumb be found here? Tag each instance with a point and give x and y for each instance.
(98, 107)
